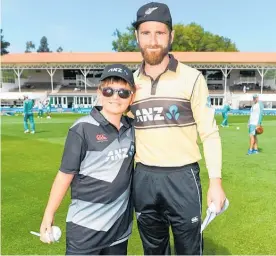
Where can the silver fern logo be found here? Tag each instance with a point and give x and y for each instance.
(173, 113)
(150, 10)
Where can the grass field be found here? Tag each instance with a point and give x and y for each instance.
(30, 163)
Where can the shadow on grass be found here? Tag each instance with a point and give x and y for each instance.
(41, 131)
(211, 248)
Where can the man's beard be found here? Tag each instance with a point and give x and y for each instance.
(154, 58)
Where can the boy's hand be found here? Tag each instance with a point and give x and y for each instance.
(46, 229)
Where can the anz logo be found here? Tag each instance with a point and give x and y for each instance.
(117, 154)
(157, 114)
(149, 114)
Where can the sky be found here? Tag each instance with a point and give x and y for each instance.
(88, 25)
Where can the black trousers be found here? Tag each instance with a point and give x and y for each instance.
(164, 197)
(118, 249)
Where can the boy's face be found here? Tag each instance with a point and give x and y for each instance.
(115, 104)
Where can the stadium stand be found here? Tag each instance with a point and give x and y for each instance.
(72, 78)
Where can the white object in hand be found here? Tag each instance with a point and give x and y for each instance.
(211, 213)
(53, 237)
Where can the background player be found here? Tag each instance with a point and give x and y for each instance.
(48, 108)
(225, 110)
(28, 114)
(255, 120)
(40, 109)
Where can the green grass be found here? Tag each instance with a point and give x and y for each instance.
(30, 163)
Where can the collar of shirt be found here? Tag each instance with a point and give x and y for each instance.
(97, 115)
(172, 66)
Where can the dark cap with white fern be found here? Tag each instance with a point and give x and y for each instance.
(153, 12)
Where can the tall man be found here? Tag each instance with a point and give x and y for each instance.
(255, 120)
(170, 108)
(28, 105)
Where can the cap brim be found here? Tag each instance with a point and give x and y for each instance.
(136, 24)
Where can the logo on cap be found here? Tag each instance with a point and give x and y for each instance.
(150, 10)
(119, 70)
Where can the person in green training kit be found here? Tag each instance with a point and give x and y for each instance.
(225, 110)
(28, 114)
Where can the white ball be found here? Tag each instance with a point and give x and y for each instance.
(56, 234)
(238, 128)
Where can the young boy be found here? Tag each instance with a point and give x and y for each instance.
(98, 163)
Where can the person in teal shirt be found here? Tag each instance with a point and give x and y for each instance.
(48, 107)
(225, 110)
(255, 120)
(28, 105)
(40, 109)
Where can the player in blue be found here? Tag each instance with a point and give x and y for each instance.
(255, 120)
(28, 105)
(48, 108)
(225, 110)
(40, 109)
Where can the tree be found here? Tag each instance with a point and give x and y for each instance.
(190, 38)
(43, 47)
(29, 46)
(125, 42)
(4, 44)
(59, 49)
(271, 75)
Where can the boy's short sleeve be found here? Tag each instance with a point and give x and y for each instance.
(73, 154)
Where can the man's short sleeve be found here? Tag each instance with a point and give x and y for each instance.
(73, 154)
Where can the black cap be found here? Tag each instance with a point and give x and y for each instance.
(118, 70)
(153, 12)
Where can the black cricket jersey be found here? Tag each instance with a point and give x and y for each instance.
(101, 157)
